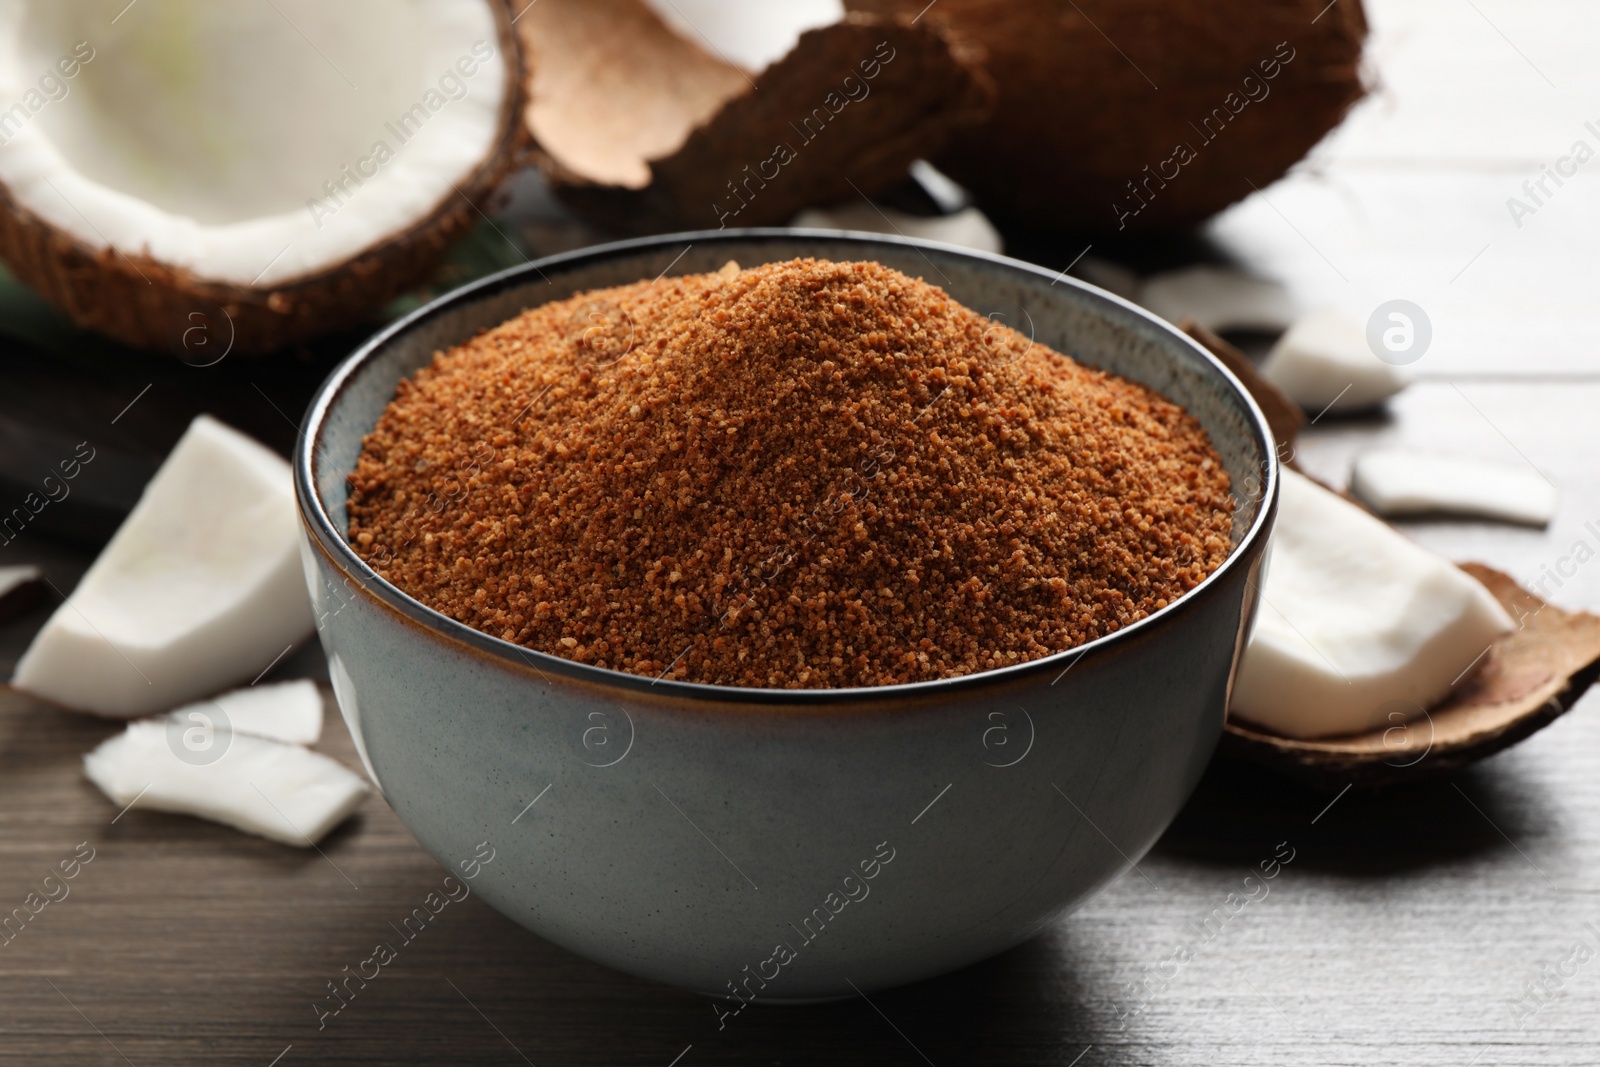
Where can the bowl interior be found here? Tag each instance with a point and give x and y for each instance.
(1092, 326)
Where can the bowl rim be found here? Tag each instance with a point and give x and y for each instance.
(331, 541)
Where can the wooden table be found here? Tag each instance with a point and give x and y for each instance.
(1450, 923)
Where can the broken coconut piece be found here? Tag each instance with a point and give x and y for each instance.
(1323, 363)
(968, 227)
(641, 129)
(1218, 298)
(1356, 622)
(281, 792)
(290, 712)
(1393, 481)
(1531, 677)
(200, 588)
(20, 589)
(177, 184)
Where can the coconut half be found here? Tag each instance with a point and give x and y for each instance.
(641, 127)
(285, 167)
(1143, 114)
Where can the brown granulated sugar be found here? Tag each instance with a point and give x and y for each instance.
(803, 475)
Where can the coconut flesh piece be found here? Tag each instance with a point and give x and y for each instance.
(1398, 482)
(281, 792)
(1323, 363)
(200, 588)
(751, 36)
(1358, 627)
(969, 227)
(1218, 298)
(289, 712)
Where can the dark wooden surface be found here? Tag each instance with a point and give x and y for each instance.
(1411, 926)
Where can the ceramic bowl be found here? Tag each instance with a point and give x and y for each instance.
(783, 844)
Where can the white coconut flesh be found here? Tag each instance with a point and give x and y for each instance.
(200, 588)
(969, 227)
(1395, 481)
(250, 143)
(1358, 627)
(748, 35)
(1323, 363)
(1218, 298)
(281, 792)
(290, 712)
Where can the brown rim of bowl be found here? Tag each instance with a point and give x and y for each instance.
(332, 543)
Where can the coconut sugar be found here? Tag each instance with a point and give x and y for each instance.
(802, 475)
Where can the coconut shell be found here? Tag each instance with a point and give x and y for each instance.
(1527, 680)
(641, 131)
(147, 304)
(1092, 92)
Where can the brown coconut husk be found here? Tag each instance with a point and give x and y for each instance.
(1079, 114)
(1525, 681)
(641, 131)
(148, 304)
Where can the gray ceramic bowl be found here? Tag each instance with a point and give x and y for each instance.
(786, 844)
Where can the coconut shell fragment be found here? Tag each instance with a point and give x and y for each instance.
(640, 130)
(1144, 114)
(1527, 680)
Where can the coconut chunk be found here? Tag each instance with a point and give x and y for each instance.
(1398, 482)
(969, 227)
(1323, 363)
(200, 588)
(1356, 622)
(1218, 298)
(290, 712)
(281, 792)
